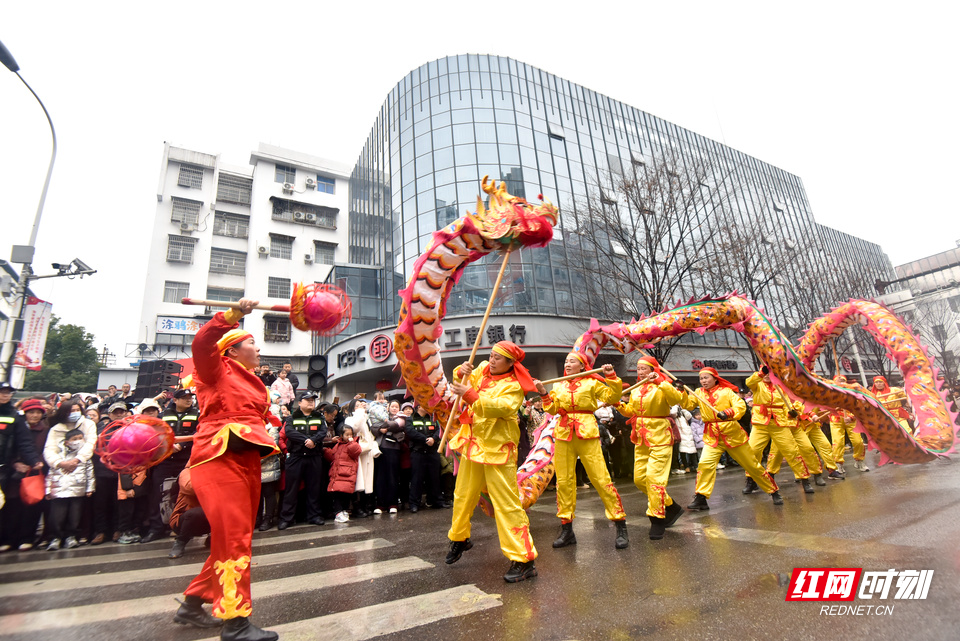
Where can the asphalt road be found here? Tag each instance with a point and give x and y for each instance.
(721, 574)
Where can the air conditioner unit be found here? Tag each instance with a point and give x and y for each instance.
(298, 215)
(308, 259)
(263, 250)
(186, 227)
(311, 183)
(311, 218)
(288, 188)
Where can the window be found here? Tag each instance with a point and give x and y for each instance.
(174, 292)
(222, 294)
(324, 253)
(180, 249)
(292, 211)
(285, 174)
(278, 287)
(276, 329)
(326, 185)
(186, 211)
(191, 177)
(232, 225)
(225, 261)
(281, 246)
(234, 189)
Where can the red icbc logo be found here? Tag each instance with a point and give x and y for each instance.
(824, 584)
(380, 348)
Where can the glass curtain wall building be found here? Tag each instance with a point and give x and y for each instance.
(454, 120)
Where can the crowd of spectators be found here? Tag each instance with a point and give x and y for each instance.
(364, 458)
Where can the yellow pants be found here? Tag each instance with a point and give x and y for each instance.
(565, 460)
(820, 443)
(783, 438)
(837, 432)
(651, 470)
(742, 454)
(500, 481)
(807, 452)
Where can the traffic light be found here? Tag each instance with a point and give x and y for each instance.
(317, 372)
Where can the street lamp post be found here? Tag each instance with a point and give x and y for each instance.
(23, 254)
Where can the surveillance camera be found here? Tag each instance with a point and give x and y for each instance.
(56, 265)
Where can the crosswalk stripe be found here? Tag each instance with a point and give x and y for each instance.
(391, 616)
(19, 624)
(136, 576)
(123, 557)
(814, 542)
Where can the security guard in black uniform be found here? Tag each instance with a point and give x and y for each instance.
(305, 432)
(423, 434)
(182, 417)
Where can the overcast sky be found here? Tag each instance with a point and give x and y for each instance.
(858, 99)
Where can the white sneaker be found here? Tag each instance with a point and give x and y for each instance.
(70, 543)
(5, 548)
(342, 517)
(54, 545)
(25, 546)
(721, 466)
(393, 510)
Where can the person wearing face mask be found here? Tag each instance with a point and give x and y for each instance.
(66, 490)
(69, 416)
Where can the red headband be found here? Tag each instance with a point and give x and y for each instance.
(722, 382)
(652, 362)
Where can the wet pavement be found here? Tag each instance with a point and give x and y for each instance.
(721, 574)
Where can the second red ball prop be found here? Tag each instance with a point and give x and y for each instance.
(324, 309)
(134, 443)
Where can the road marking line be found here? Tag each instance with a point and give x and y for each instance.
(18, 624)
(390, 617)
(56, 584)
(814, 542)
(46, 563)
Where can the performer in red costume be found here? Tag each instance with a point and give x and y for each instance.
(225, 470)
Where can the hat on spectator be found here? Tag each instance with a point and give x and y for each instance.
(7, 387)
(309, 394)
(405, 406)
(180, 393)
(32, 404)
(117, 406)
(147, 404)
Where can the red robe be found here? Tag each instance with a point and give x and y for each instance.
(233, 401)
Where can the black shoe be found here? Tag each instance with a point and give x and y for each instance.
(191, 612)
(818, 479)
(457, 548)
(657, 527)
(266, 525)
(566, 537)
(807, 488)
(283, 525)
(177, 550)
(520, 571)
(150, 536)
(317, 521)
(623, 541)
(750, 487)
(673, 513)
(699, 503)
(414, 508)
(240, 629)
(836, 475)
(777, 499)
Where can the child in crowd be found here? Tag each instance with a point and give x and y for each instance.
(343, 457)
(66, 489)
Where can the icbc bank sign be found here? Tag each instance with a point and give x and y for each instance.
(379, 349)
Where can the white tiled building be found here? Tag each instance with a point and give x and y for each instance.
(223, 232)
